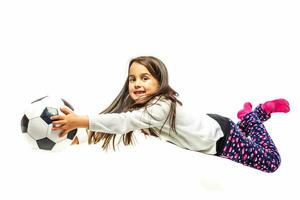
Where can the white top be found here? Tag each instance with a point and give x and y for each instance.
(197, 133)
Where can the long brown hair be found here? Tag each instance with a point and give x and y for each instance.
(123, 102)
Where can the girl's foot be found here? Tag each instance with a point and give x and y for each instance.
(247, 108)
(277, 105)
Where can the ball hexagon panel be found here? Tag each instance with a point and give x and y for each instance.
(37, 128)
(34, 110)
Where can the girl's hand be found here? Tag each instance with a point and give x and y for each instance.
(65, 123)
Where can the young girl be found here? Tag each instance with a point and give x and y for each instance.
(147, 103)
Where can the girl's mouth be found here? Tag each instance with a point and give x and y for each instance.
(139, 92)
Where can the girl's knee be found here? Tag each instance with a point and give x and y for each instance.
(275, 162)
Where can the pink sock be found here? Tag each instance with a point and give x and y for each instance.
(247, 108)
(277, 105)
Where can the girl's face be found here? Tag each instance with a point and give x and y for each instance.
(141, 82)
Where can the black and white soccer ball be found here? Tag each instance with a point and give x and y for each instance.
(36, 124)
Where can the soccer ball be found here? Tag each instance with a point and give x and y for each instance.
(36, 124)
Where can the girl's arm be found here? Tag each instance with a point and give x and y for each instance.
(153, 116)
(114, 123)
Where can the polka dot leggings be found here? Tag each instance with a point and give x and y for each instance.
(250, 144)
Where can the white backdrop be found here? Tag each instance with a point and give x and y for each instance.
(219, 54)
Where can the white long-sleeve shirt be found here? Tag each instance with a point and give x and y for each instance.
(196, 133)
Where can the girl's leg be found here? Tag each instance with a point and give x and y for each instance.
(276, 105)
(258, 152)
(261, 114)
(263, 111)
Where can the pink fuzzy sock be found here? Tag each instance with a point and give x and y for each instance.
(277, 105)
(247, 108)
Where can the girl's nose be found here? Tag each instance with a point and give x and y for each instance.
(137, 83)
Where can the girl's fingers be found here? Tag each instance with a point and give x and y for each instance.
(66, 110)
(57, 117)
(55, 128)
(58, 122)
(58, 125)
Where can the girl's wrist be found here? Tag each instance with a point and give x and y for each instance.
(82, 121)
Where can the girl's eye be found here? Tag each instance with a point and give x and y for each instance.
(145, 78)
(131, 80)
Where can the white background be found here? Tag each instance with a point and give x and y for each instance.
(219, 54)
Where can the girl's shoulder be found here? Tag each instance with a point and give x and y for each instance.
(159, 100)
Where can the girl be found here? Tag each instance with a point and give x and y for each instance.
(147, 103)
